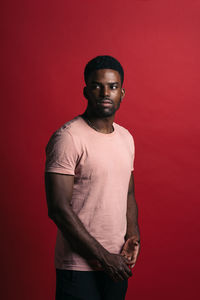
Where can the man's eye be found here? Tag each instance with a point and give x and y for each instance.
(95, 86)
(113, 87)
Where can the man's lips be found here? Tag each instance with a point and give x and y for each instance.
(105, 102)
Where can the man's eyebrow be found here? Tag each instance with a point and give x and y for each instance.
(97, 82)
(116, 82)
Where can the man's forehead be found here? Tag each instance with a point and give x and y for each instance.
(105, 75)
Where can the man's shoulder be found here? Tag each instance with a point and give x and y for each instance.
(126, 136)
(71, 126)
(66, 135)
(67, 131)
(122, 130)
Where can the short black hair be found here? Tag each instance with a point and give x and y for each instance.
(103, 62)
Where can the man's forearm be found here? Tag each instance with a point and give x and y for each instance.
(78, 237)
(132, 218)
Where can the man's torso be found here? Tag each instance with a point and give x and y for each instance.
(101, 165)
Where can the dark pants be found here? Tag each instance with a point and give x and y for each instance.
(88, 285)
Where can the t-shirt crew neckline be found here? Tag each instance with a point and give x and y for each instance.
(98, 132)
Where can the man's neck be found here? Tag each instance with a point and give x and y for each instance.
(103, 125)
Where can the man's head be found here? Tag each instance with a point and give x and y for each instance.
(103, 62)
(104, 77)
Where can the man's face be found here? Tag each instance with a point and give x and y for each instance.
(104, 92)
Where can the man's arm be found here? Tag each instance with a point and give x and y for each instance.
(59, 189)
(132, 245)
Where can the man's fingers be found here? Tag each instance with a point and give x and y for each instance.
(130, 252)
(127, 270)
(118, 267)
(129, 259)
(126, 273)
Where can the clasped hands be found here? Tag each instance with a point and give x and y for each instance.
(131, 250)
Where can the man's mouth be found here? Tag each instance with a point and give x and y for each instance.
(105, 102)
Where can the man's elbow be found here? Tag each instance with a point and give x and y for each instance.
(52, 214)
(54, 211)
(57, 213)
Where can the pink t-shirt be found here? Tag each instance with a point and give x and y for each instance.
(101, 165)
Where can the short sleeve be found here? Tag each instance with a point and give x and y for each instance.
(61, 154)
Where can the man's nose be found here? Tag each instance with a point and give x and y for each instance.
(105, 91)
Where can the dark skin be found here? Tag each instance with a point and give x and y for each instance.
(131, 247)
(104, 94)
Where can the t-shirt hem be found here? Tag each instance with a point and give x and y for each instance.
(59, 171)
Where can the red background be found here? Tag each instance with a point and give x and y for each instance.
(46, 45)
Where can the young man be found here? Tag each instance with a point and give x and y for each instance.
(90, 192)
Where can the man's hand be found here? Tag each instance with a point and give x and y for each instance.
(116, 266)
(131, 250)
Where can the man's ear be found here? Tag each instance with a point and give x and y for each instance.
(122, 94)
(85, 92)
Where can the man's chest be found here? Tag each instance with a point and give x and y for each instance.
(99, 158)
